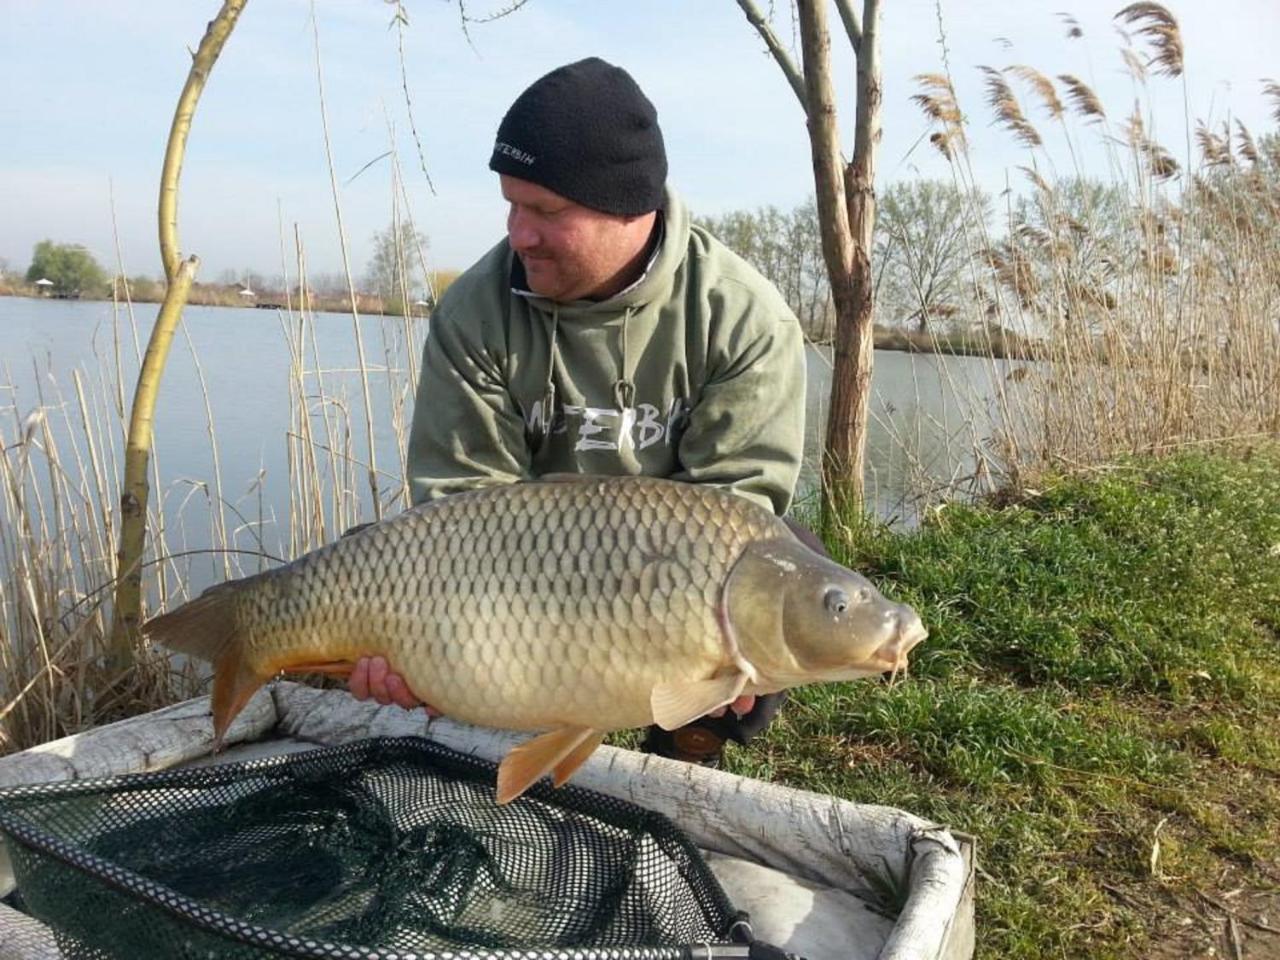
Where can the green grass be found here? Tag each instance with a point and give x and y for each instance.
(1102, 673)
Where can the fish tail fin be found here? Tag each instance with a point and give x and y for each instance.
(205, 627)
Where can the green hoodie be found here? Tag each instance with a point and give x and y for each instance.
(696, 372)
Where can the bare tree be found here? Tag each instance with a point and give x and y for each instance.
(328, 284)
(922, 250)
(846, 215)
(809, 291)
(391, 274)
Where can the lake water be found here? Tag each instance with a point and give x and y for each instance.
(928, 411)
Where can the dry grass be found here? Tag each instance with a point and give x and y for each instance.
(1153, 290)
(59, 483)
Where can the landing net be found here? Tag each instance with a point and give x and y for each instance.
(376, 849)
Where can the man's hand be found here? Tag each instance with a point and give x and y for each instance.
(373, 677)
(741, 707)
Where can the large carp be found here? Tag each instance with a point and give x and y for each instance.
(570, 605)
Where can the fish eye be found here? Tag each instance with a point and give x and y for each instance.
(836, 600)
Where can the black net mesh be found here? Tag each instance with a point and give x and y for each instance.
(381, 848)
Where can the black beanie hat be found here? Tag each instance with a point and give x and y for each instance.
(587, 132)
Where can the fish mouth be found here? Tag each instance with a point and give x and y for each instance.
(892, 657)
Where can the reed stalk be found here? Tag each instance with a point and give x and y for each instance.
(346, 266)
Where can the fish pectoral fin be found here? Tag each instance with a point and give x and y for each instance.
(683, 701)
(560, 752)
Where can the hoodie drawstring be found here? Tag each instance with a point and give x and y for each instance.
(624, 390)
(549, 394)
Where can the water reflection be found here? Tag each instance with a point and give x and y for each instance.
(930, 415)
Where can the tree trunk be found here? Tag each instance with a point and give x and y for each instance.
(127, 613)
(846, 216)
(845, 462)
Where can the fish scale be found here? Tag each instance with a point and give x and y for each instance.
(574, 605)
(456, 658)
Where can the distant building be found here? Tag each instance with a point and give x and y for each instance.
(45, 286)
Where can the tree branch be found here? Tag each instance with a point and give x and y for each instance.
(851, 26)
(789, 69)
(201, 63)
(824, 137)
(860, 174)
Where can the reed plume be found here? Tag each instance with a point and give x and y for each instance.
(1160, 162)
(1214, 149)
(1083, 98)
(1245, 144)
(1271, 90)
(937, 100)
(1160, 28)
(1008, 111)
(1043, 87)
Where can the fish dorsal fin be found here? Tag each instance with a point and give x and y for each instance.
(561, 751)
(682, 701)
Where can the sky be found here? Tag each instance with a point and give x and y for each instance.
(91, 85)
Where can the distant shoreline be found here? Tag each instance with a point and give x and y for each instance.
(997, 344)
(216, 295)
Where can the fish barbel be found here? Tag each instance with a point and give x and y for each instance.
(571, 605)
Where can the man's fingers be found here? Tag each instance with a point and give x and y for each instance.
(378, 670)
(358, 682)
(741, 706)
(373, 678)
(400, 693)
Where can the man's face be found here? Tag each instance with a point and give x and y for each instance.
(571, 252)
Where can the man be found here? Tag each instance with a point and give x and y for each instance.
(605, 335)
